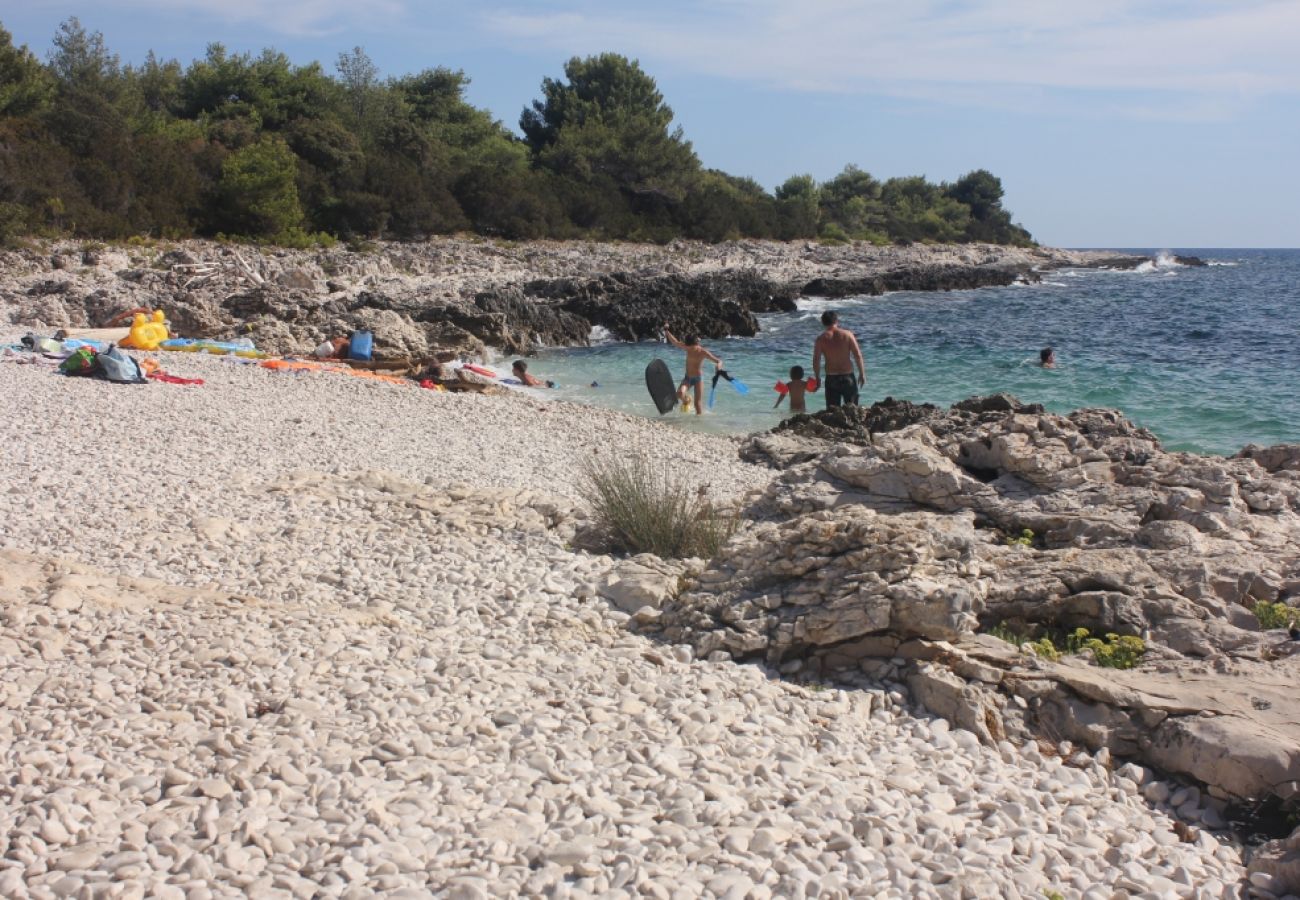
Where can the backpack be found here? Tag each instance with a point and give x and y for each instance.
(117, 366)
(80, 362)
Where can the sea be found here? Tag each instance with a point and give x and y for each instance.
(1207, 357)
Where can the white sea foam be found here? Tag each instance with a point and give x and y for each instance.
(1222, 262)
(600, 335)
(821, 304)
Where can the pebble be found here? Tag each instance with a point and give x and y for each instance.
(359, 654)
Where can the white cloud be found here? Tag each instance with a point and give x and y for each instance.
(1207, 53)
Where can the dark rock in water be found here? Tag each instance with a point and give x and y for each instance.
(920, 278)
(856, 424)
(1118, 262)
(802, 437)
(996, 403)
(520, 323)
(1190, 261)
(633, 308)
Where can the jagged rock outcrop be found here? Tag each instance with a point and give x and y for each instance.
(923, 278)
(454, 297)
(895, 535)
(635, 307)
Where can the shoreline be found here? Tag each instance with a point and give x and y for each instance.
(456, 297)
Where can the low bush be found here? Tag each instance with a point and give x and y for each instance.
(1113, 652)
(1275, 615)
(1024, 539)
(644, 509)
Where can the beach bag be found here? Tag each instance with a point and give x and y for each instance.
(361, 345)
(80, 362)
(119, 367)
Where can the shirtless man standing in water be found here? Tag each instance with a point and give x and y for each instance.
(841, 350)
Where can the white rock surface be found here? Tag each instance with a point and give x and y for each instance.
(317, 636)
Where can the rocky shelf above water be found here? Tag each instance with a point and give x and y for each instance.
(896, 537)
(455, 297)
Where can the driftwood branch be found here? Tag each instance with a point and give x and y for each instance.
(248, 270)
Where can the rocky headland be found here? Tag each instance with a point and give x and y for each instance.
(455, 297)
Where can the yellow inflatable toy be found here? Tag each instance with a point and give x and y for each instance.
(146, 334)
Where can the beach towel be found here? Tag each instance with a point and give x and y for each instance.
(173, 379)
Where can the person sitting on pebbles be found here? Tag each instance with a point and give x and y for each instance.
(520, 369)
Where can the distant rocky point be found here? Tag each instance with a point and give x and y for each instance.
(455, 296)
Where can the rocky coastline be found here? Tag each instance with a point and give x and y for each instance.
(458, 297)
(921, 545)
(349, 637)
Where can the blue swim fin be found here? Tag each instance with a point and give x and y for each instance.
(740, 386)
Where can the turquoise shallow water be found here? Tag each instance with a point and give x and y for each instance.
(1207, 358)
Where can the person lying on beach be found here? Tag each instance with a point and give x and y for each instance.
(695, 357)
(520, 368)
(1047, 358)
(796, 390)
(334, 348)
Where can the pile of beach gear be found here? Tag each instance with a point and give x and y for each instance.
(98, 353)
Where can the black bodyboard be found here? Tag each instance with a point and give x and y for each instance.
(659, 381)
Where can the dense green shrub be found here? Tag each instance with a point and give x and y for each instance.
(1275, 615)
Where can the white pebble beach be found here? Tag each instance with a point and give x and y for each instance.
(309, 635)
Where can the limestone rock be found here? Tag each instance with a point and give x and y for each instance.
(1279, 861)
(895, 528)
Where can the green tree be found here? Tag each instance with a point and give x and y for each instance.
(917, 210)
(799, 205)
(88, 116)
(359, 77)
(722, 207)
(851, 200)
(606, 127)
(981, 192)
(25, 87)
(259, 190)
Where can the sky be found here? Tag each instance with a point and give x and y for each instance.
(1112, 123)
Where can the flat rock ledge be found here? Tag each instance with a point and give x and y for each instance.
(896, 537)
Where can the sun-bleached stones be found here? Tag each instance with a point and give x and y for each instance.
(314, 663)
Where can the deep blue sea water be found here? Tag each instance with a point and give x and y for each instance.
(1207, 358)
